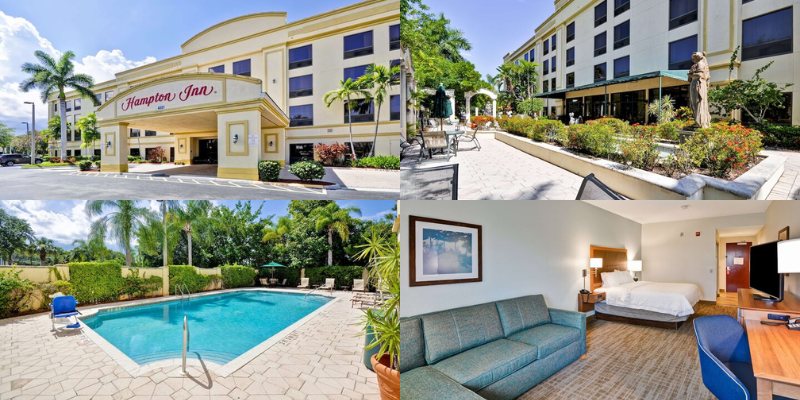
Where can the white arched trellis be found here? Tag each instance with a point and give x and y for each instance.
(492, 95)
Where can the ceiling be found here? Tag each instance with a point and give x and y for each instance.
(654, 211)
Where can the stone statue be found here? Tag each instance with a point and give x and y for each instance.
(699, 75)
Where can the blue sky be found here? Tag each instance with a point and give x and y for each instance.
(117, 36)
(493, 27)
(65, 221)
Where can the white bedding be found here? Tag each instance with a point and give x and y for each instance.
(676, 299)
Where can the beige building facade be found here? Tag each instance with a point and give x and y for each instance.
(249, 89)
(612, 57)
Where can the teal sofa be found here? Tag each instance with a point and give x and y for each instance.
(495, 350)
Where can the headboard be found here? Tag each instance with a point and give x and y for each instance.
(613, 259)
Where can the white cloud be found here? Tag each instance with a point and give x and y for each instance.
(19, 38)
(61, 224)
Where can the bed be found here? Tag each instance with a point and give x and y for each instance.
(660, 304)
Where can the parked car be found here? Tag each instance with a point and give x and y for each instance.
(9, 160)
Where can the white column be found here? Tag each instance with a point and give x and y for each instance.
(494, 109)
(469, 111)
(403, 100)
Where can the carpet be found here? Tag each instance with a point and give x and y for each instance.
(627, 362)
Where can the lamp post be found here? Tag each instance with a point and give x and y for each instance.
(33, 131)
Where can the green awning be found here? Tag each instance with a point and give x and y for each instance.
(681, 75)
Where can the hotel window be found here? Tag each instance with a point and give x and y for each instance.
(99, 98)
(301, 115)
(571, 31)
(620, 6)
(394, 37)
(354, 73)
(746, 1)
(135, 132)
(553, 64)
(395, 77)
(77, 104)
(600, 44)
(622, 35)
(77, 153)
(149, 133)
(358, 45)
(394, 108)
(767, 35)
(600, 72)
(546, 47)
(135, 152)
(55, 106)
(300, 57)
(682, 12)
(69, 105)
(361, 110)
(301, 86)
(109, 94)
(301, 152)
(527, 57)
(546, 67)
(680, 52)
(241, 67)
(570, 80)
(553, 84)
(545, 86)
(219, 69)
(69, 152)
(600, 14)
(553, 42)
(570, 56)
(622, 67)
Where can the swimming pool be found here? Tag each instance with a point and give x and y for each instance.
(221, 326)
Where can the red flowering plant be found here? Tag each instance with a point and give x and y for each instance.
(330, 154)
(724, 148)
(480, 121)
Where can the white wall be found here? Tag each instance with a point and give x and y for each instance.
(670, 257)
(529, 247)
(779, 215)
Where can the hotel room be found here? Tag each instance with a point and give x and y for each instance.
(622, 300)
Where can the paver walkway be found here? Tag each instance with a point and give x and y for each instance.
(788, 187)
(319, 360)
(501, 172)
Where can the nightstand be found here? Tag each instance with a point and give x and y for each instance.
(586, 301)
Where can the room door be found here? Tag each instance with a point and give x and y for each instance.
(737, 266)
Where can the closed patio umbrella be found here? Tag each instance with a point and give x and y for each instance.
(272, 265)
(441, 106)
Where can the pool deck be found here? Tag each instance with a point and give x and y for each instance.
(321, 359)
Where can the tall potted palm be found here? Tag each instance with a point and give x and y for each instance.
(51, 76)
(382, 324)
(347, 91)
(379, 78)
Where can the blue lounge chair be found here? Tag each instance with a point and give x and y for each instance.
(64, 307)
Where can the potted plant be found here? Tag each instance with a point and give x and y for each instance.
(382, 324)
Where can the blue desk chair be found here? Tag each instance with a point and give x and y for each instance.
(725, 358)
(64, 307)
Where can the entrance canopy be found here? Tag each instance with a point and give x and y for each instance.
(649, 80)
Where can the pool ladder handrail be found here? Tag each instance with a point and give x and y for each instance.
(185, 343)
(183, 290)
(311, 291)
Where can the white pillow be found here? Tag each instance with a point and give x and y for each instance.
(623, 277)
(616, 278)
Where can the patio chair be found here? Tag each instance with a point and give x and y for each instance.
(263, 281)
(432, 141)
(303, 283)
(358, 285)
(64, 307)
(329, 282)
(470, 137)
(593, 189)
(283, 283)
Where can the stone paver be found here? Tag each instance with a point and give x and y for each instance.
(321, 359)
(501, 172)
(788, 186)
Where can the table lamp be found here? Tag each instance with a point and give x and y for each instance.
(595, 264)
(789, 256)
(635, 266)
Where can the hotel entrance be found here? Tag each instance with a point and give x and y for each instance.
(206, 152)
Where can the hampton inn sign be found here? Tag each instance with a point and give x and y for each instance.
(161, 100)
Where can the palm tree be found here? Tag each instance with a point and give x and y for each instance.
(379, 78)
(332, 218)
(194, 210)
(157, 232)
(123, 219)
(348, 89)
(43, 246)
(279, 231)
(53, 77)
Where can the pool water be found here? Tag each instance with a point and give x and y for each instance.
(221, 326)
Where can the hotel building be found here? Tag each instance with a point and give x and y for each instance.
(612, 57)
(248, 89)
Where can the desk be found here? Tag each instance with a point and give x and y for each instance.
(750, 308)
(775, 352)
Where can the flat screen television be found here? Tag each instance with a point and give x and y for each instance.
(764, 275)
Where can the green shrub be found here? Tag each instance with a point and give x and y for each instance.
(135, 286)
(307, 170)
(548, 130)
(85, 165)
(269, 170)
(134, 158)
(595, 139)
(98, 164)
(14, 292)
(670, 130)
(519, 125)
(619, 126)
(234, 276)
(723, 148)
(782, 136)
(678, 164)
(180, 275)
(49, 288)
(378, 162)
(344, 275)
(96, 281)
(640, 151)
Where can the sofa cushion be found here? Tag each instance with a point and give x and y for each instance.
(547, 338)
(428, 383)
(522, 313)
(412, 345)
(483, 365)
(453, 331)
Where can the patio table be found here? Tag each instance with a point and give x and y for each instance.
(453, 136)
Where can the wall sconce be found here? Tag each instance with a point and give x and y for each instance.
(108, 144)
(274, 81)
(181, 146)
(595, 264)
(271, 143)
(235, 138)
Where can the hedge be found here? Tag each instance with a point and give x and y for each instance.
(97, 281)
(234, 276)
(781, 136)
(187, 275)
(344, 275)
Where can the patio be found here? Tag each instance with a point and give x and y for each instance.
(321, 359)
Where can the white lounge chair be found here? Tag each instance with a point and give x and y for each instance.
(358, 285)
(329, 282)
(303, 283)
(263, 281)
